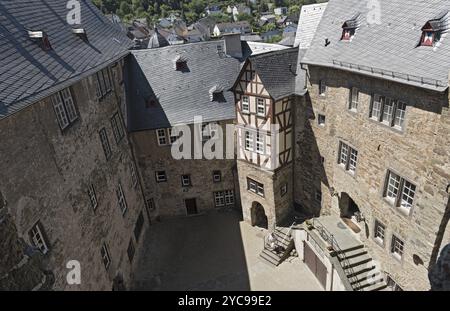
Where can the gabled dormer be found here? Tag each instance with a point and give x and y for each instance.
(216, 93)
(433, 29)
(41, 38)
(349, 28)
(180, 63)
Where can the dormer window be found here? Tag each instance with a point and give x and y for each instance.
(349, 28)
(180, 63)
(216, 93)
(80, 33)
(41, 38)
(431, 32)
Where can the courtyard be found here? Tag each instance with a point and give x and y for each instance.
(213, 251)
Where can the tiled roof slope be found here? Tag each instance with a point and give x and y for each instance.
(277, 71)
(388, 50)
(310, 17)
(27, 72)
(176, 96)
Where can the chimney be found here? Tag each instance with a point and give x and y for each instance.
(233, 46)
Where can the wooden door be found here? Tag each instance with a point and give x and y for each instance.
(191, 206)
(315, 265)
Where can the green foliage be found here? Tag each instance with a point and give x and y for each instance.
(268, 27)
(274, 39)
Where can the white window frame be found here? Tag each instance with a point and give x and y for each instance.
(219, 198)
(103, 82)
(229, 197)
(161, 176)
(134, 176)
(379, 232)
(64, 107)
(38, 238)
(388, 111)
(245, 104)
(249, 142)
(255, 187)
(116, 125)
(186, 180)
(217, 176)
(321, 119)
(260, 142)
(260, 107)
(92, 196)
(105, 143)
(172, 138)
(106, 258)
(400, 192)
(354, 98)
(397, 247)
(161, 137)
(348, 157)
(121, 201)
(322, 88)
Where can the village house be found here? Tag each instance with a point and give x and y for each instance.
(226, 28)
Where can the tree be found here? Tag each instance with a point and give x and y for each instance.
(294, 10)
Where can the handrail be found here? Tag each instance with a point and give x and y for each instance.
(329, 237)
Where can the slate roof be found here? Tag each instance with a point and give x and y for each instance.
(157, 40)
(28, 73)
(388, 50)
(175, 97)
(309, 20)
(241, 25)
(277, 71)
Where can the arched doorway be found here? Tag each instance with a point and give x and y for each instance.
(259, 218)
(350, 212)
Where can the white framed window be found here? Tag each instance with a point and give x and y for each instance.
(348, 157)
(92, 197)
(173, 137)
(400, 113)
(397, 247)
(104, 252)
(354, 98)
(121, 199)
(283, 189)
(131, 250)
(217, 176)
(229, 197)
(379, 232)
(321, 119)
(388, 111)
(151, 204)
(245, 104)
(161, 176)
(392, 284)
(376, 107)
(105, 143)
(255, 187)
(322, 88)
(161, 136)
(116, 124)
(400, 192)
(248, 141)
(134, 176)
(64, 107)
(37, 238)
(219, 198)
(260, 146)
(185, 180)
(261, 107)
(103, 82)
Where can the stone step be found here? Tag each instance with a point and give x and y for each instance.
(355, 261)
(363, 277)
(360, 270)
(379, 284)
(355, 253)
(270, 258)
(348, 250)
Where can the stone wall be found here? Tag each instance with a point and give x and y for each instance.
(44, 175)
(169, 197)
(418, 153)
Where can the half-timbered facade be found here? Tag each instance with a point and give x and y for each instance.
(264, 109)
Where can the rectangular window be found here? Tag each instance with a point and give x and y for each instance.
(131, 250)
(134, 177)
(92, 197)
(348, 157)
(245, 104)
(388, 111)
(392, 285)
(219, 198)
(116, 125)
(151, 204)
(105, 143)
(37, 238)
(259, 143)
(217, 176)
(162, 139)
(172, 136)
(354, 98)
(261, 107)
(139, 225)
(379, 231)
(103, 82)
(318, 196)
(105, 256)
(321, 119)
(322, 88)
(255, 187)
(64, 106)
(121, 199)
(229, 197)
(400, 192)
(400, 115)
(284, 189)
(397, 247)
(161, 176)
(186, 180)
(248, 141)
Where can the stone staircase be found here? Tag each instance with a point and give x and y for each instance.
(284, 239)
(360, 269)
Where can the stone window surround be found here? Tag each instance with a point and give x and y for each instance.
(186, 180)
(103, 83)
(116, 124)
(104, 140)
(349, 145)
(389, 202)
(134, 175)
(351, 103)
(322, 87)
(160, 176)
(65, 108)
(217, 176)
(321, 120)
(92, 196)
(383, 124)
(258, 186)
(37, 230)
(121, 200)
(396, 256)
(378, 241)
(106, 258)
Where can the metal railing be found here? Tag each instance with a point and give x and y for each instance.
(328, 237)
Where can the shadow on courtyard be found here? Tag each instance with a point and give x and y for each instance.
(203, 252)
